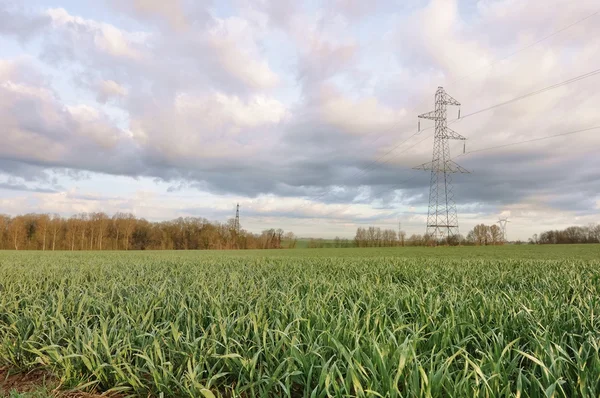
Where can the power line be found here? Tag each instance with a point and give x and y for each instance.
(397, 186)
(531, 94)
(376, 161)
(527, 47)
(394, 187)
(540, 91)
(406, 149)
(495, 62)
(377, 194)
(527, 95)
(530, 140)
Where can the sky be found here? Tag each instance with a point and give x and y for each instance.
(304, 113)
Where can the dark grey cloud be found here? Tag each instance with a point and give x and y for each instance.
(23, 187)
(23, 170)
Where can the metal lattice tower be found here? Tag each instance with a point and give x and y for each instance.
(237, 218)
(503, 222)
(442, 220)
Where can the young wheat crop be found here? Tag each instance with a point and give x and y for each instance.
(212, 324)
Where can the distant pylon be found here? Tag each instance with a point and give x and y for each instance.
(237, 219)
(502, 223)
(442, 220)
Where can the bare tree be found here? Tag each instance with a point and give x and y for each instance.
(291, 239)
(481, 234)
(81, 224)
(415, 240)
(534, 239)
(16, 229)
(361, 237)
(54, 226)
(117, 226)
(43, 221)
(91, 223)
(596, 233)
(401, 238)
(4, 223)
(101, 221)
(129, 225)
(495, 234)
(73, 230)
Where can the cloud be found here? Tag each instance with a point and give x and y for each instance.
(175, 15)
(16, 23)
(23, 187)
(231, 40)
(75, 37)
(172, 12)
(228, 128)
(109, 89)
(41, 131)
(290, 100)
(361, 116)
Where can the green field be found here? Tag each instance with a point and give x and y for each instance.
(398, 322)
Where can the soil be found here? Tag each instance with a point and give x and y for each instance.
(36, 380)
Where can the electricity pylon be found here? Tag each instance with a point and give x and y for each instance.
(442, 220)
(237, 219)
(502, 223)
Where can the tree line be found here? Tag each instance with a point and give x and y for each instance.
(575, 234)
(480, 235)
(484, 235)
(377, 237)
(123, 231)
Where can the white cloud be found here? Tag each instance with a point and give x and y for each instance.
(172, 11)
(362, 116)
(209, 126)
(232, 40)
(109, 89)
(39, 128)
(104, 37)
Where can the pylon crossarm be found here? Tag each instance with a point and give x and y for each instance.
(452, 135)
(453, 167)
(425, 166)
(430, 115)
(448, 100)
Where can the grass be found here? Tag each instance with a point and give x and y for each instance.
(399, 322)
